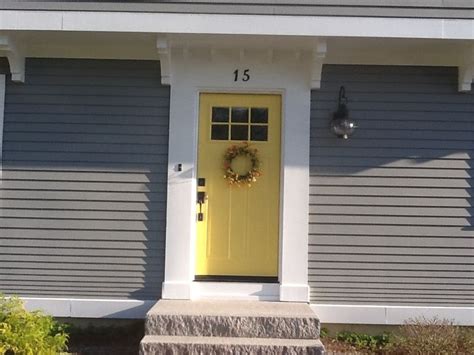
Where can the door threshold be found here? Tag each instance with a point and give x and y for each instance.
(225, 278)
(251, 291)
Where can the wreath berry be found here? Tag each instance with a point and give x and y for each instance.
(242, 150)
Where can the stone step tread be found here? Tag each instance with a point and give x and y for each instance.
(191, 340)
(232, 308)
(243, 319)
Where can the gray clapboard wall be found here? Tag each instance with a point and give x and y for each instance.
(379, 8)
(391, 209)
(84, 180)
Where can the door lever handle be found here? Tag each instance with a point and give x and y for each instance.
(201, 199)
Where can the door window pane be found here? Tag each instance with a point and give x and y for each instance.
(259, 115)
(239, 133)
(240, 115)
(259, 133)
(220, 132)
(220, 114)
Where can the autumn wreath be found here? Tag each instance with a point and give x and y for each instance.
(243, 150)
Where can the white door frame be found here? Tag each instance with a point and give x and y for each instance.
(212, 71)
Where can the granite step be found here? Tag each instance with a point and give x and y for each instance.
(186, 345)
(245, 319)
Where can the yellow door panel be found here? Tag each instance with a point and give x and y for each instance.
(239, 231)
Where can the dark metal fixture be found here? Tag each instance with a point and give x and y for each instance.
(341, 125)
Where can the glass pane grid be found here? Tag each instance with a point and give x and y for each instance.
(239, 124)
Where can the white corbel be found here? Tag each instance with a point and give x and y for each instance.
(297, 56)
(16, 59)
(270, 55)
(317, 61)
(186, 54)
(241, 55)
(164, 54)
(466, 72)
(213, 54)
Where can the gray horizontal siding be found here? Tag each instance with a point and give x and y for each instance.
(83, 195)
(391, 209)
(376, 8)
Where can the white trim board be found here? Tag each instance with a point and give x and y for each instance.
(326, 26)
(2, 116)
(90, 308)
(389, 315)
(204, 72)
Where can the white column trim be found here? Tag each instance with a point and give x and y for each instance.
(2, 117)
(390, 315)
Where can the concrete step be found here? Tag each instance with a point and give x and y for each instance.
(178, 345)
(246, 319)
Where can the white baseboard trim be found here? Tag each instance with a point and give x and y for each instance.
(294, 293)
(389, 315)
(90, 308)
(176, 290)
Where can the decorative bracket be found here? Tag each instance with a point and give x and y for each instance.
(317, 61)
(466, 72)
(164, 53)
(16, 59)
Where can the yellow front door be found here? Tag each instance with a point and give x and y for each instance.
(237, 232)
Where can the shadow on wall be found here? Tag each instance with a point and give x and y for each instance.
(391, 209)
(84, 180)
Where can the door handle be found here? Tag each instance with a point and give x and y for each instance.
(201, 199)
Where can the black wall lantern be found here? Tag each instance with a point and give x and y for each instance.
(341, 125)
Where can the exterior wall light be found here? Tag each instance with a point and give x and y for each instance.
(341, 125)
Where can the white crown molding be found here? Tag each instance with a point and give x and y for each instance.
(466, 71)
(164, 53)
(10, 49)
(317, 61)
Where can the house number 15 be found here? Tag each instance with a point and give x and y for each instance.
(245, 76)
